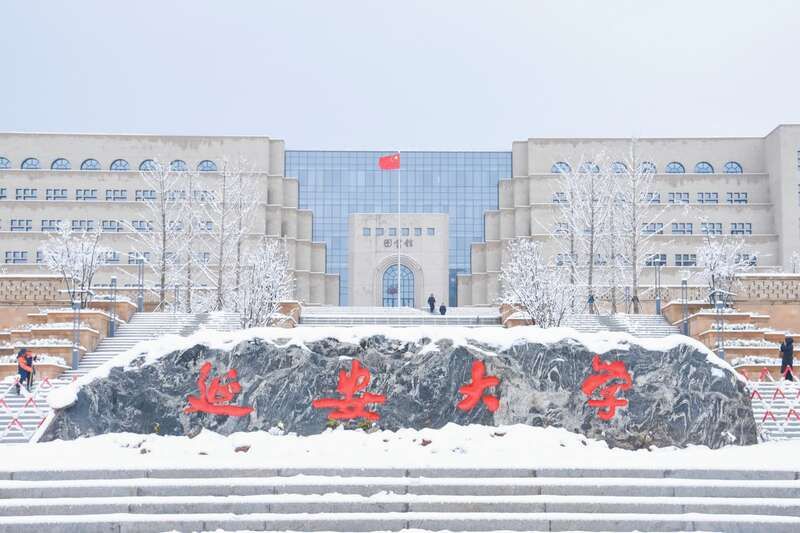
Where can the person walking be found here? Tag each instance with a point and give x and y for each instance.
(24, 369)
(787, 357)
(442, 309)
(432, 302)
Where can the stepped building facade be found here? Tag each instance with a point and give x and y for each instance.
(748, 187)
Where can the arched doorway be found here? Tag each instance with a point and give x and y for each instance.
(390, 291)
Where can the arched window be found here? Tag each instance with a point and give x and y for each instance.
(648, 167)
(178, 165)
(207, 166)
(703, 168)
(406, 291)
(618, 167)
(30, 164)
(588, 166)
(675, 168)
(147, 164)
(560, 168)
(60, 164)
(90, 164)
(5, 163)
(732, 167)
(120, 164)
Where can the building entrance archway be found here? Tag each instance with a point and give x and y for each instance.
(390, 289)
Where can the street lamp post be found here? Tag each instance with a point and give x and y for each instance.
(76, 338)
(140, 297)
(112, 326)
(657, 275)
(685, 310)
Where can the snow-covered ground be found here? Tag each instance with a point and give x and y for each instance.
(517, 446)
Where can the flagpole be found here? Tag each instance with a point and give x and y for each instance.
(399, 231)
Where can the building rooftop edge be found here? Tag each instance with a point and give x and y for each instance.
(167, 135)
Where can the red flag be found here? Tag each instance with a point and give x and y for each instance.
(389, 162)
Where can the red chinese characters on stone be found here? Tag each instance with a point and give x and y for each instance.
(473, 391)
(351, 406)
(215, 398)
(603, 374)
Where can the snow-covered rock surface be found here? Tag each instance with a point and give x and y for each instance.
(681, 394)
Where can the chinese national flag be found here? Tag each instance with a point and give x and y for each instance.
(389, 162)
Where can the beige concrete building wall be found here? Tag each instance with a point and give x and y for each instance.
(770, 177)
(372, 250)
(277, 214)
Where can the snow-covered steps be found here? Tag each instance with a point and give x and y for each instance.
(636, 325)
(776, 408)
(391, 499)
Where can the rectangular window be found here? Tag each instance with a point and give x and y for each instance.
(175, 225)
(392, 232)
(651, 198)
(746, 259)
(116, 195)
(203, 196)
(51, 225)
(741, 228)
(111, 226)
(109, 258)
(685, 260)
(736, 197)
(379, 232)
(365, 232)
(681, 228)
(678, 197)
(142, 225)
(86, 194)
(405, 232)
(83, 225)
(707, 198)
(418, 232)
(145, 194)
(39, 257)
(56, 194)
(711, 228)
(16, 256)
(203, 257)
(176, 195)
(3, 193)
(21, 224)
(26, 194)
(559, 197)
(653, 228)
(135, 257)
(652, 260)
(560, 228)
(431, 232)
(563, 259)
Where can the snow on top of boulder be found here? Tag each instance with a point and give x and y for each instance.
(499, 338)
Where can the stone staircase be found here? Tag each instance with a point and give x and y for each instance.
(21, 416)
(392, 316)
(636, 325)
(390, 499)
(774, 404)
(221, 321)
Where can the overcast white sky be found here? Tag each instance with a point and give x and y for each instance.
(424, 74)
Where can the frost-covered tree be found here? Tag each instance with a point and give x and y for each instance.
(266, 281)
(228, 213)
(155, 235)
(528, 282)
(635, 213)
(76, 257)
(795, 260)
(720, 260)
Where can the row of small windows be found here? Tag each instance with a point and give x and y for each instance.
(617, 167)
(23, 224)
(112, 195)
(676, 197)
(660, 260)
(392, 232)
(177, 165)
(706, 228)
(106, 258)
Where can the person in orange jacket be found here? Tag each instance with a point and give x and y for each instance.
(24, 368)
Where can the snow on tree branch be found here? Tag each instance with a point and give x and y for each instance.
(76, 256)
(721, 258)
(266, 282)
(529, 283)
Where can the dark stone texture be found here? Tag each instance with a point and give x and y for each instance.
(678, 397)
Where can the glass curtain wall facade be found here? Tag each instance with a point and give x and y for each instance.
(335, 184)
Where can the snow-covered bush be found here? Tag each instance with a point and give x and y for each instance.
(265, 282)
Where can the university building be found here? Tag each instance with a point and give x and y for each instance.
(448, 214)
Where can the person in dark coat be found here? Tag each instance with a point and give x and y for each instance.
(442, 309)
(787, 357)
(24, 369)
(431, 302)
